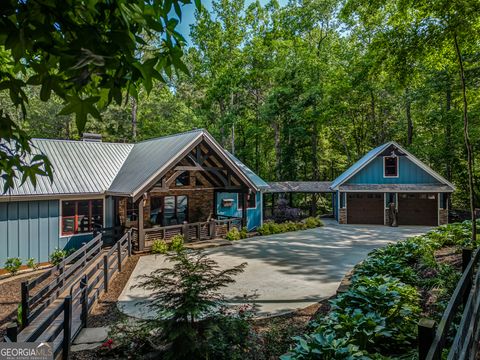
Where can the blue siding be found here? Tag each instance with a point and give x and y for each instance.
(254, 216)
(408, 172)
(30, 229)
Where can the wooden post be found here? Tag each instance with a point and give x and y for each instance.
(244, 209)
(105, 272)
(186, 235)
(141, 230)
(199, 232)
(213, 229)
(426, 334)
(466, 257)
(119, 256)
(12, 331)
(25, 308)
(84, 301)
(129, 242)
(67, 327)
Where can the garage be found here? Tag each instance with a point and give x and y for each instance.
(418, 209)
(365, 208)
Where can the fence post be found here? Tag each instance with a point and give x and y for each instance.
(426, 334)
(466, 257)
(199, 232)
(185, 231)
(12, 331)
(25, 308)
(119, 256)
(84, 301)
(105, 272)
(67, 326)
(129, 242)
(213, 229)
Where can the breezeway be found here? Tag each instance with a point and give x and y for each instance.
(285, 271)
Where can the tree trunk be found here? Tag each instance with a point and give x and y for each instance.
(448, 128)
(409, 117)
(276, 129)
(467, 140)
(134, 117)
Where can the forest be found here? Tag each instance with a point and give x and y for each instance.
(301, 91)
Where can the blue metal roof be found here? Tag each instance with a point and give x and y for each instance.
(364, 160)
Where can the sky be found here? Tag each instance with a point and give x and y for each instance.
(188, 15)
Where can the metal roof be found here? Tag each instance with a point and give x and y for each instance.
(257, 180)
(81, 167)
(300, 187)
(149, 157)
(78, 167)
(396, 187)
(364, 160)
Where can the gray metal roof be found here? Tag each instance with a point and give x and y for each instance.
(396, 187)
(81, 167)
(300, 187)
(257, 180)
(148, 157)
(78, 167)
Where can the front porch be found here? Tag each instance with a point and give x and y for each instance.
(200, 197)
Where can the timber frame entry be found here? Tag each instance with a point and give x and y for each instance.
(209, 169)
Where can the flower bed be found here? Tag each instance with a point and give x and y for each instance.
(376, 318)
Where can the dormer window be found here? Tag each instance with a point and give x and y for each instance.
(390, 166)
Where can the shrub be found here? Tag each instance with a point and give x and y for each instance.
(32, 264)
(313, 222)
(234, 234)
(12, 265)
(177, 243)
(159, 247)
(57, 256)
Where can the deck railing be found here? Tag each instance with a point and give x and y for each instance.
(190, 231)
(63, 310)
(432, 340)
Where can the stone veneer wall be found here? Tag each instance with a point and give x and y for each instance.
(387, 217)
(342, 216)
(443, 216)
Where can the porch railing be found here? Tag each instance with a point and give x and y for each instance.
(190, 231)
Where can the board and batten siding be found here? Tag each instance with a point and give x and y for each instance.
(31, 229)
(254, 215)
(408, 173)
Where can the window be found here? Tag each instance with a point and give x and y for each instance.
(390, 166)
(81, 216)
(342, 201)
(175, 210)
(132, 210)
(443, 200)
(183, 179)
(251, 201)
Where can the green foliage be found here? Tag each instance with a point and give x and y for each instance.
(270, 227)
(188, 301)
(12, 265)
(57, 256)
(159, 247)
(32, 264)
(235, 234)
(177, 243)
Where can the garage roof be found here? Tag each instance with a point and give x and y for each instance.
(396, 187)
(299, 187)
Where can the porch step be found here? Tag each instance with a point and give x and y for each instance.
(204, 244)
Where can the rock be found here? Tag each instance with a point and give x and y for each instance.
(83, 347)
(92, 336)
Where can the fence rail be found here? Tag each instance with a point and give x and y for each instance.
(190, 231)
(432, 339)
(64, 311)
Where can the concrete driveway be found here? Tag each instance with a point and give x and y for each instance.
(286, 271)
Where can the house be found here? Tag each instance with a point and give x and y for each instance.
(390, 174)
(160, 187)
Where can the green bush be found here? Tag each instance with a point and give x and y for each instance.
(32, 264)
(270, 227)
(233, 234)
(57, 256)
(313, 222)
(177, 243)
(159, 247)
(12, 265)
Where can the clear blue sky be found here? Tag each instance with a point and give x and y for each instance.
(188, 15)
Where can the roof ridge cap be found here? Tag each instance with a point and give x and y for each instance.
(172, 135)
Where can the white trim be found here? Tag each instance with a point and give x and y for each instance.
(414, 159)
(77, 199)
(398, 168)
(394, 191)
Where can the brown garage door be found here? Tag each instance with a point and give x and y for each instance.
(365, 208)
(417, 209)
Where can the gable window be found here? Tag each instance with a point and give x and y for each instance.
(390, 166)
(183, 179)
(81, 216)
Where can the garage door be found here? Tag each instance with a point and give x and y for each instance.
(365, 208)
(417, 209)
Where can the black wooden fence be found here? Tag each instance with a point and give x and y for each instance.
(432, 340)
(59, 310)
